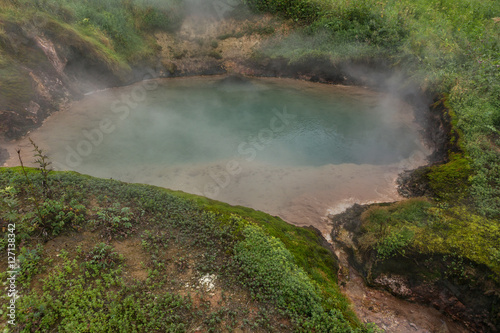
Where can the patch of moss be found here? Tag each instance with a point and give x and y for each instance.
(418, 227)
(450, 181)
(458, 231)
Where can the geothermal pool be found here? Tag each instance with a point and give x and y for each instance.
(291, 148)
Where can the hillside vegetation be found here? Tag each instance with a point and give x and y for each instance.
(122, 29)
(78, 238)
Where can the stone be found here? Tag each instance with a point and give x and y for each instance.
(395, 283)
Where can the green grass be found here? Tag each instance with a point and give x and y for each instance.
(124, 23)
(282, 266)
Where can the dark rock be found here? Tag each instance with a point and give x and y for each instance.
(414, 183)
(314, 78)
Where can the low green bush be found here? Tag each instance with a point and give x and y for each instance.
(116, 221)
(103, 257)
(394, 243)
(56, 215)
(297, 10)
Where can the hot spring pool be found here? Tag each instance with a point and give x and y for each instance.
(290, 148)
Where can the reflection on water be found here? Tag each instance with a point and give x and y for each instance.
(286, 147)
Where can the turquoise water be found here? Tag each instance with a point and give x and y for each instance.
(290, 148)
(201, 121)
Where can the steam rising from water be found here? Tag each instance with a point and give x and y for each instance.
(293, 149)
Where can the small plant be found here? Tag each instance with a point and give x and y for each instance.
(179, 54)
(103, 256)
(57, 215)
(214, 54)
(9, 204)
(394, 243)
(116, 221)
(31, 188)
(28, 261)
(43, 166)
(181, 263)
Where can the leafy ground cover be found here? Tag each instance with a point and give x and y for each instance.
(100, 255)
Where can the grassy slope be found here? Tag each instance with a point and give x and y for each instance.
(115, 35)
(283, 268)
(121, 28)
(452, 50)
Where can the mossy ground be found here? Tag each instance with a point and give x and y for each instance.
(416, 226)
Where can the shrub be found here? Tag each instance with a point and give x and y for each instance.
(56, 215)
(102, 256)
(116, 221)
(28, 262)
(269, 271)
(298, 10)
